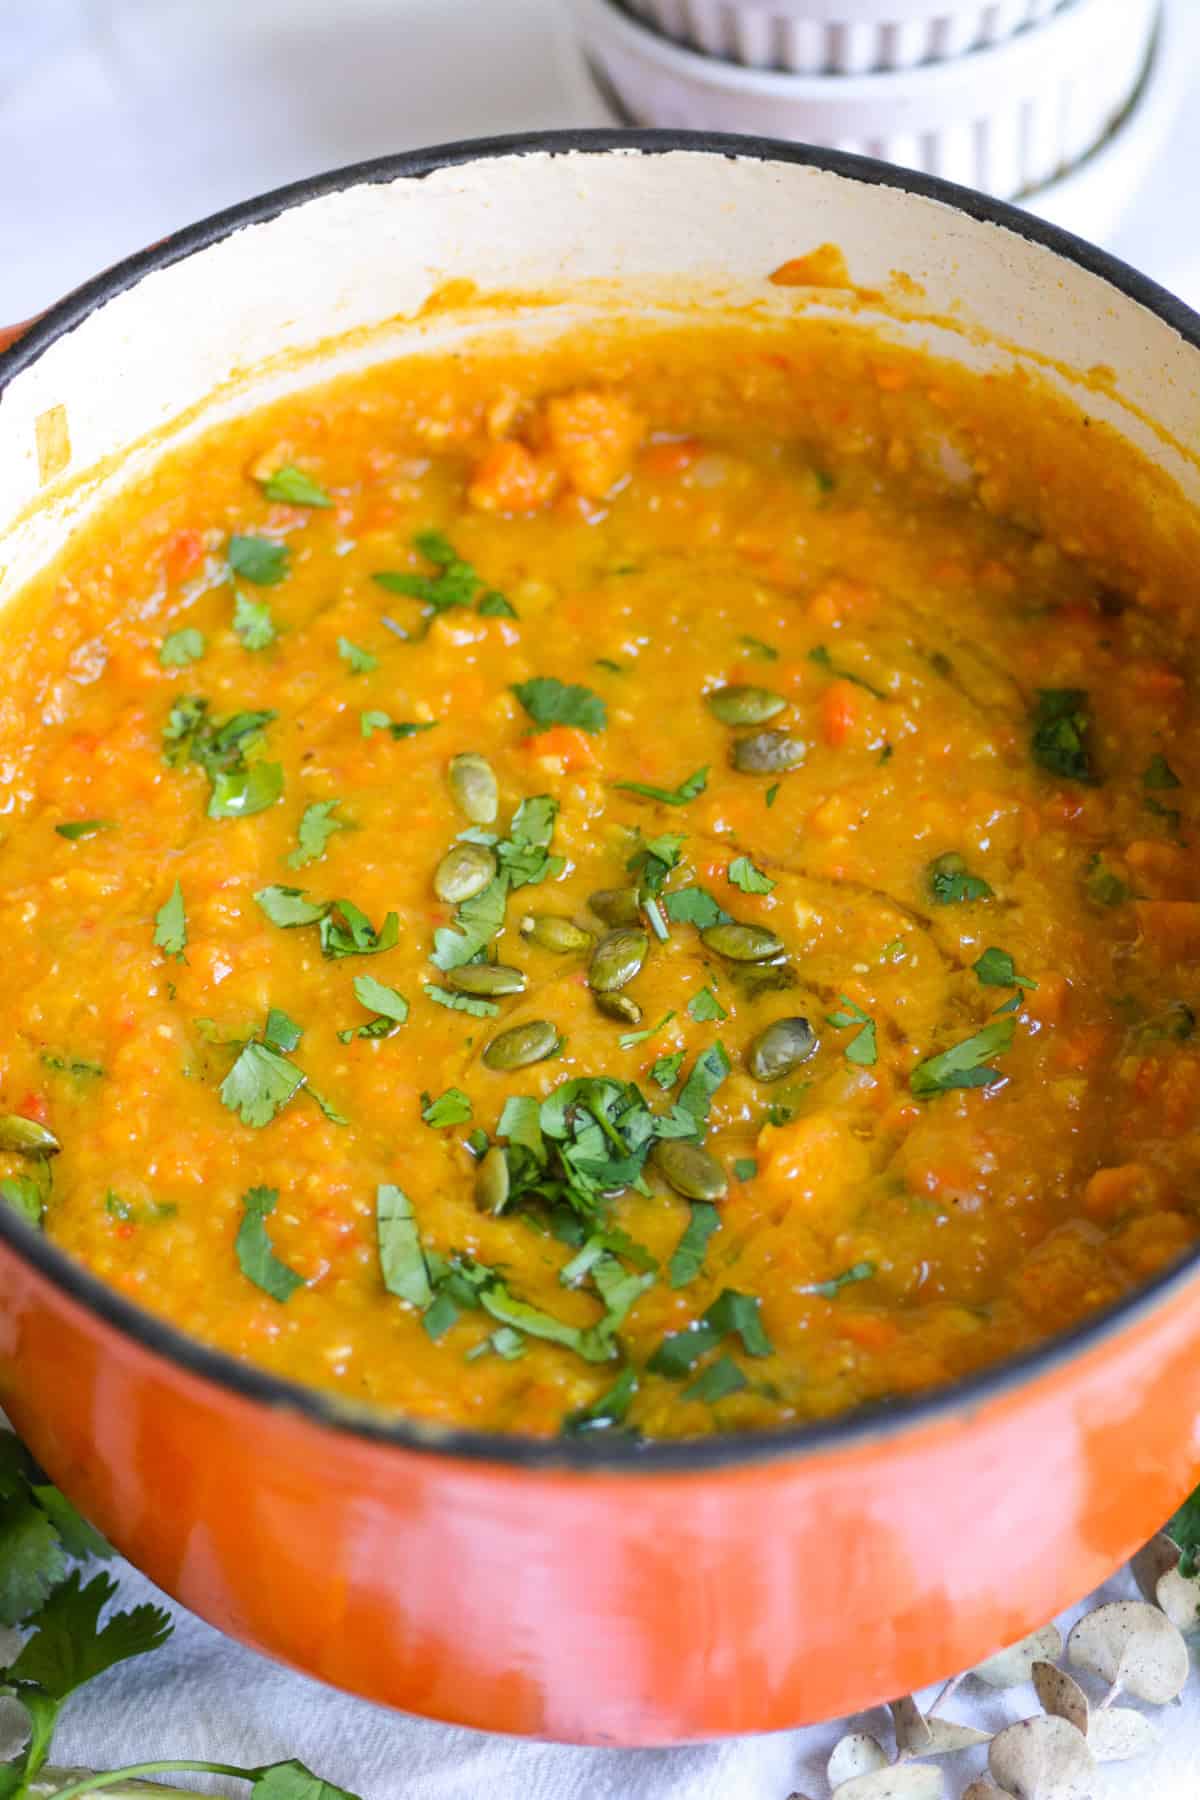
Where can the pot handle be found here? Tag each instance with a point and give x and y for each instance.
(10, 333)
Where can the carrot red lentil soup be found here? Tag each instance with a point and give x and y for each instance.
(628, 888)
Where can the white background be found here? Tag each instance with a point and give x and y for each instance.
(121, 120)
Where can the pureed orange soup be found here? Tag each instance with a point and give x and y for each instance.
(637, 887)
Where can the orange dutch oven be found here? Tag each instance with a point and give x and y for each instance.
(611, 1593)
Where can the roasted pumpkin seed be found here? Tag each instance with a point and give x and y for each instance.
(691, 1170)
(474, 787)
(463, 872)
(492, 1181)
(26, 1137)
(616, 906)
(617, 958)
(744, 705)
(622, 1007)
(522, 1045)
(767, 753)
(490, 979)
(551, 932)
(742, 943)
(782, 1047)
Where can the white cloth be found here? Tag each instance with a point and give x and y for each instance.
(119, 121)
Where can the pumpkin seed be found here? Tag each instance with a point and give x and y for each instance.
(691, 1169)
(742, 943)
(622, 1007)
(616, 906)
(27, 1137)
(474, 787)
(617, 958)
(463, 872)
(492, 979)
(767, 753)
(745, 705)
(781, 1048)
(522, 1045)
(551, 932)
(492, 1182)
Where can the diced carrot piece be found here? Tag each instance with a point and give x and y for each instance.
(870, 1331)
(815, 1159)
(509, 478)
(837, 598)
(839, 712)
(1048, 1001)
(1083, 1047)
(1110, 1192)
(34, 1106)
(566, 742)
(671, 459)
(594, 436)
(182, 554)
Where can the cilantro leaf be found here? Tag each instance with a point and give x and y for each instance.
(252, 623)
(280, 1032)
(628, 1039)
(689, 789)
(717, 1382)
(705, 1007)
(523, 855)
(399, 729)
(179, 648)
(389, 1007)
(257, 559)
(32, 1559)
(468, 1003)
(1159, 774)
(451, 1108)
(828, 1290)
(361, 661)
(1061, 733)
(494, 605)
(592, 1343)
(732, 1312)
(317, 826)
(79, 1539)
(287, 907)
(256, 1258)
(823, 660)
(707, 1073)
(695, 906)
(345, 931)
(170, 925)
(609, 1410)
(401, 1258)
(67, 1646)
(476, 923)
(863, 1048)
(1184, 1530)
(75, 829)
(996, 968)
(653, 861)
(291, 1780)
(950, 884)
(666, 1070)
(1103, 886)
(549, 701)
(23, 1194)
(687, 1259)
(756, 647)
(965, 1064)
(295, 488)
(250, 789)
(751, 880)
(260, 1084)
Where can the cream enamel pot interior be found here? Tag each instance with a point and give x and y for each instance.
(590, 1591)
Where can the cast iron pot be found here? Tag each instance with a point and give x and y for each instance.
(589, 1591)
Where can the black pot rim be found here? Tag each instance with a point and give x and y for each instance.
(954, 1401)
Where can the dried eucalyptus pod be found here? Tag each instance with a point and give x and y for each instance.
(983, 1789)
(1115, 1733)
(856, 1754)
(1061, 1695)
(1011, 1667)
(1042, 1759)
(1156, 1571)
(904, 1781)
(1134, 1647)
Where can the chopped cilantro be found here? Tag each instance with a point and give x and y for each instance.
(964, 1065)
(317, 826)
(628, 1039)
(451, 1108)
(390, 1008)
(689, 789)
(523, 855)
(704, 1007)
(740, 1313)
(345, 931)
(253, 623)
(257, 559)
(1103, 886)
(1061, 733)
(549, 701)
(717, 1382)
(751, 880)
(23, 1194)
(772, 794)
(863, 1047)
(455, 584)
(594, 1344)
(828, 1290)
(256, 1258)
(758, 648)
(281, 1032)
(237, 793)
(84, 828)
(695, 906)
(653, 861)
(495, 605)
(468, 1003)
(707, 1073)
(745, 1168)
(238, 787)
(950, 884)
(399, 729)
(287, 907)
(687, 1259)
(608, 1412)
(822, 658)
(401, 1258)
(260, 1084)
(1160, 775)
(361, 661)
(666, 1070)
(1184, 1530)
(179, 648)
(170, 925)
(295, 488)
(996, 968)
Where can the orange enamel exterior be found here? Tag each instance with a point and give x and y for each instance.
(592, 1594)
(613, 1605)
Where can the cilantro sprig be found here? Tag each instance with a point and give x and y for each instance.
(457, 582)
(228, 752)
